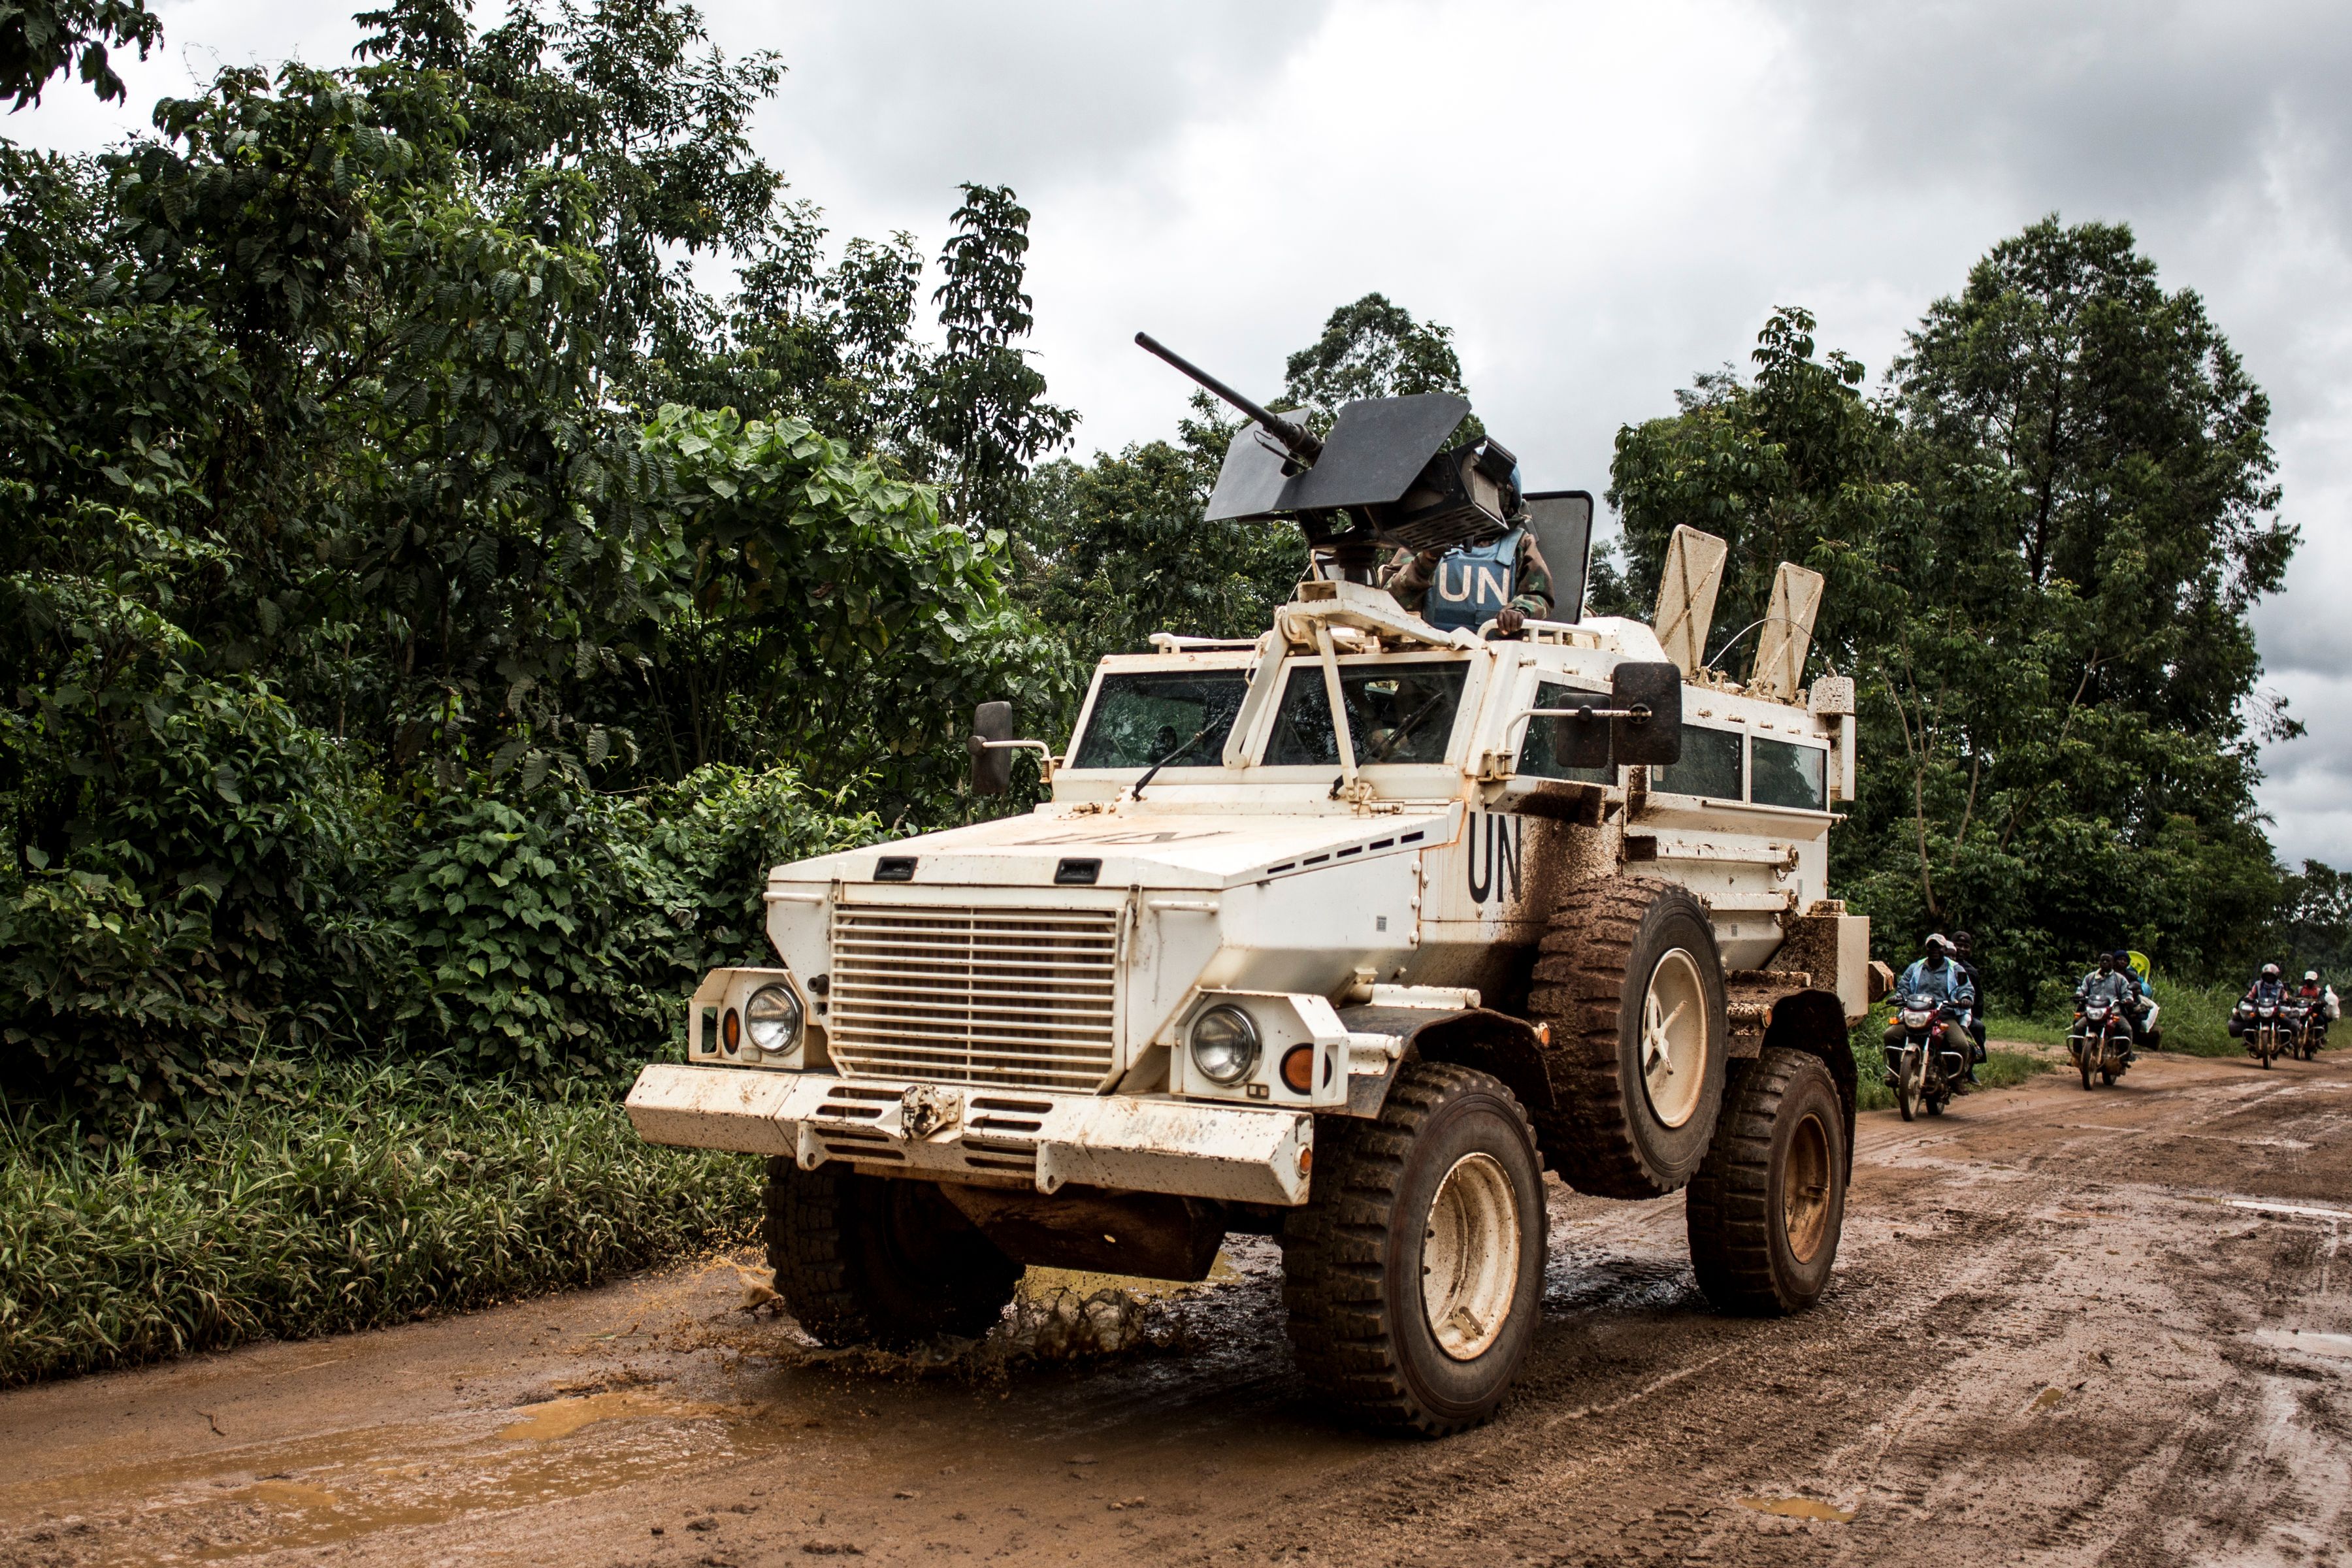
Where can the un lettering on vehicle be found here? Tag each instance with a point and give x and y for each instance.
(1486, 878)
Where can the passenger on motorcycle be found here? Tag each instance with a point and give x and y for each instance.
(1949, 982)
(2268, 989)
(2141, 1009)
(1963, 955)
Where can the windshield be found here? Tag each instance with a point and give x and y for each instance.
(1139, 719)
(1396, 713)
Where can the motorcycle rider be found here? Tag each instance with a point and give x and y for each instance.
(2116, 987)
(1936, 974)
(2268, 990)
(2321, 999)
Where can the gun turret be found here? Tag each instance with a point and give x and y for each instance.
(1382, 478)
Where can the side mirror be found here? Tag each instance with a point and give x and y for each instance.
(992, 766)
(1652, 735)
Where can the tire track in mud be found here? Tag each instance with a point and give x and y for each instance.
(1988, 1381)
(2052, 1339)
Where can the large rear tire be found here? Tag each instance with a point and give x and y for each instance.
(1630, 986)
(865, 1259)
(1414, 1275)
(1766, 1210)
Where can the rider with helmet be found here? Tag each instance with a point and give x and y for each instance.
(2321, 999)
(2268, 990)
(2114, 985)
(1937, 975)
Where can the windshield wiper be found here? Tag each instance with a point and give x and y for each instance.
(1197, 736)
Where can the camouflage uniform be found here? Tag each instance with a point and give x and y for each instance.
(1408, 578)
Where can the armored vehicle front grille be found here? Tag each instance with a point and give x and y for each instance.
(1020, 998)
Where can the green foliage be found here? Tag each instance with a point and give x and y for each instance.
(2040, 545)
(554, 935)
(518, 922)
(1372, 348)
(1115, 550)
(369, 1198)
(38, 38)
(184, 903)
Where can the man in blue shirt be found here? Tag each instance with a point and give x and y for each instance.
(1937, 976)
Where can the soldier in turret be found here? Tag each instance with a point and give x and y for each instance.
(1504, 580)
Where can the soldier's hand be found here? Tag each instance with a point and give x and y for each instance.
(1428, 559)
(1510, 620)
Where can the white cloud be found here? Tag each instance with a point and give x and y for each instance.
(1599, 198)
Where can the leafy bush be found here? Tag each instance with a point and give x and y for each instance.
(558, 932)
(194, 905)
(376, 1196)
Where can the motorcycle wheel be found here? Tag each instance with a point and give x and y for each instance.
(2108, 1075)
(2083, 1065)
(1908, 1087)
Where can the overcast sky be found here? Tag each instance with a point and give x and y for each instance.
(1601, 199)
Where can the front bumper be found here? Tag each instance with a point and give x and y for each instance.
(994, 1137)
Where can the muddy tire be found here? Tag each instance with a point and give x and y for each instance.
(1766, 1210)
(1630, 986)
(872, 1260)
(1414, 1275)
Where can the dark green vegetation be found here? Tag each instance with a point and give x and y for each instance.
(2042, 539)
(465, 521)
(366, 1198)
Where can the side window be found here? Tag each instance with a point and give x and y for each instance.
(1790, 775)
(1710, 765)
(1538, 753)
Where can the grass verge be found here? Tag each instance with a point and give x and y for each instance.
(376, 1197)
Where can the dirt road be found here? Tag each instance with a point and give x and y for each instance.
(2066, 1328)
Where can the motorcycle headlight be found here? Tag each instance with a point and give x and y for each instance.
(1915, 1020)
(1224, 1044)
(773, 1019)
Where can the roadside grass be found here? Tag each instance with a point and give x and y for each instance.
(2196, 1018)
(372, 1197)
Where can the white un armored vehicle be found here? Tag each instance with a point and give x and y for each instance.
(1334, 935)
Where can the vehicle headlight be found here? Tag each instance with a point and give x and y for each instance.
(773, 1019)
(1224, 1044)
(1914, 1020)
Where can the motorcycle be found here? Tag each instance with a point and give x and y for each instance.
(1924, 1071)
(2100, 1041)
(2297, 1015)
(2265, 1030)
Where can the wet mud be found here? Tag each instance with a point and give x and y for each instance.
(2111, 1327)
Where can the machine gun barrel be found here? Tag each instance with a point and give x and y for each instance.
(1301, 445)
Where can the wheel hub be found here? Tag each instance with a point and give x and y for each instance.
(1805, 1189)
(1470, 1257)
(1674, 1038)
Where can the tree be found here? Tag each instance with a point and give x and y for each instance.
(38, 38)
(2041, 544)
(986, 409)
(1371, 348)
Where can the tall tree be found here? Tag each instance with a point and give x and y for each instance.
(2041, 544)
(1371, 348)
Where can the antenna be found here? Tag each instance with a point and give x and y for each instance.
(1788, 633)
(1686, 590)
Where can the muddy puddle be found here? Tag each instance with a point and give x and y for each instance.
(624, 1428)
